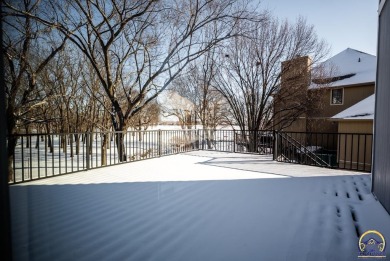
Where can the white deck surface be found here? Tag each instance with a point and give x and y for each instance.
(196, 206)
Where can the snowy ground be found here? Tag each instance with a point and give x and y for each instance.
(196, 206)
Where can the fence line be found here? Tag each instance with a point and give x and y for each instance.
(39, 156)
(260, 142)
(352, 151)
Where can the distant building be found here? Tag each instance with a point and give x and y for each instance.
(339, 83)
(357, 119)
(335, 97)
(177, 110)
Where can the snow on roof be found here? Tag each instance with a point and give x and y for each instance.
(350, 67)
(363, 110)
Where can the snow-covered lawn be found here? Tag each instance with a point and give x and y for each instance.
(200, 205)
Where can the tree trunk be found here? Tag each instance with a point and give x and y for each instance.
(209, 138)
(120, 143)
(28, 138)
(252, 144)
(71, 145)
(63, 143)
(77, 139)
(90, 143)
(50, 143)
(139, 128)
(37, 142)
(49, 140)
(104, 146)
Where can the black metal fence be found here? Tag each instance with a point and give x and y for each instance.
(260, 142)
(39, 156)
(352, 151)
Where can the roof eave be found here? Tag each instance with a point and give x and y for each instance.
(353, 85)
(342, 86)
(349, 119)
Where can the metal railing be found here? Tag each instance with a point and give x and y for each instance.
(296, 150)
(259, 142)
(352, 151)
(38, 156)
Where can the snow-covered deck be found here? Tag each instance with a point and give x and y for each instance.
(196, 206)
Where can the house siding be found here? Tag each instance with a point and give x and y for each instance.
(361, 158)
(299, 125)
(295, 80)
(381, 168)
(352, 95)
(358, 126)
(319, 120)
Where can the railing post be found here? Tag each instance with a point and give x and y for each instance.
(202, 139)
(159, 143)
(234, 140)
(197, 139)
(275, 145)
(87, 154)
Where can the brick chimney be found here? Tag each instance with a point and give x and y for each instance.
(291, 99)
(296, 72)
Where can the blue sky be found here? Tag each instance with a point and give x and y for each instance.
(342, 23)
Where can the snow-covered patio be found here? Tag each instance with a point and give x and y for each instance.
(200, 205)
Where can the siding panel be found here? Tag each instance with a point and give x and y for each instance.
(381, 169)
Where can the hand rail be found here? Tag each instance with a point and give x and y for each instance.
(301, 148)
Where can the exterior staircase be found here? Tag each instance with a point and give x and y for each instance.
(297, 152)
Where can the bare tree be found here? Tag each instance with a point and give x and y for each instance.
(173, 104)
(28, 48)
(195, 84)
(143, 119)
(143, 45)
(300, 93)
(250, 70)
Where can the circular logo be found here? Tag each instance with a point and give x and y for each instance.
(372, 243)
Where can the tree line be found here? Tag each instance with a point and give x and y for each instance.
(85, 65)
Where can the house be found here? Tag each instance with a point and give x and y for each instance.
(357, 119)
(329, 107)
(177, 110)
(337, 84)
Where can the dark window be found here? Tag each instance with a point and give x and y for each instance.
(337, 96)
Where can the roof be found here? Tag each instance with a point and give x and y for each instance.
(363, 110)
(349, 67)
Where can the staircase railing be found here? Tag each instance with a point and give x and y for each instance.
(299, 149)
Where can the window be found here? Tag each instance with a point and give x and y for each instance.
(336, 96)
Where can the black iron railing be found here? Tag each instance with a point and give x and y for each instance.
(38, 156)
(260, 142)
(350, 151)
